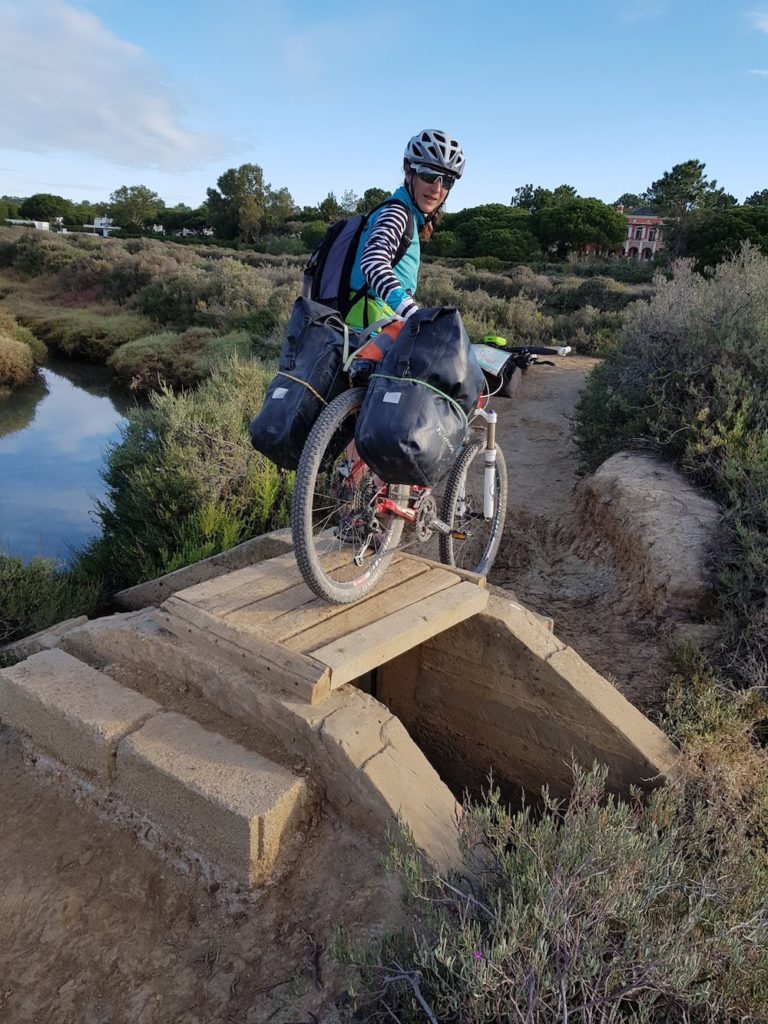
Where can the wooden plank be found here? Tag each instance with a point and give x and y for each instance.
(231, 581)
(258, 616)
(359, 652)
(255, 591)
(208, 643)
(463, 574)
(269, 658)
(377, 607)
(294, 624)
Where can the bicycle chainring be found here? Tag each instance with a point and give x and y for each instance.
(426, 513)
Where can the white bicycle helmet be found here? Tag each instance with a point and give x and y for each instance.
(437, 149)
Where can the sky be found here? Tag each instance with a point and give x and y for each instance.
(604, 95)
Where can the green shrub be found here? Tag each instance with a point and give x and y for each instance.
(88, 334)
(594, 910)
(590, 331)
(690, 375)
(11, 328)
(176, 360)
(40, 594)
(17, 364)
(184, 482)
(40, 252)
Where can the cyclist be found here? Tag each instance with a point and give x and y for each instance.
(433, 162)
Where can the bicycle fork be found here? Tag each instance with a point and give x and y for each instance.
(489, 470)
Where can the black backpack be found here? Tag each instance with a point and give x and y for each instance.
(328, 273)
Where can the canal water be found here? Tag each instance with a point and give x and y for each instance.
(53, 436)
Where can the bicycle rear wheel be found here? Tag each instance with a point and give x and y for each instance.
(474, 540)
(342, 544)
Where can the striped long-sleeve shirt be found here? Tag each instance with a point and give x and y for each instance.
(389, 285)
(378, 258)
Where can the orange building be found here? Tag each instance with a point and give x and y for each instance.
(644, 233)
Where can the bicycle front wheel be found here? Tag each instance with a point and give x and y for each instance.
(342, 543)
(474, 540)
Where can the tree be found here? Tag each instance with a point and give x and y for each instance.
(11, 205)
(716, 235)
(757, 198)
(135, 206)
(330, 209)
(572, 223)
(529, 198)
(679, 193)
(631, 201)
(236, 208)
(489, 230)
(279, 210)
(84, 213)
(313, 232)
(44, 206)
(371, 198)
(348, 202)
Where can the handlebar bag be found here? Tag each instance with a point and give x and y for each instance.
(414, 416)
(310, 375)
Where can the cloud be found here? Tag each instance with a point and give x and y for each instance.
(759, 20)
(762, 72)
(71, 85)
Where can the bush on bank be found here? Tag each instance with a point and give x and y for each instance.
(20, 353)
(690, 378)
(598, 910)
(176, 360)
(40, 594)
(184, 482)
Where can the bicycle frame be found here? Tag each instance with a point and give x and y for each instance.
(410, 515)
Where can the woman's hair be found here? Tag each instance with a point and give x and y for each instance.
(433, 221)
(428, 228)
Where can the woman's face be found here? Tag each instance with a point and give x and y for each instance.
(427, 197)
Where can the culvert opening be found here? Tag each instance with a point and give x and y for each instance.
(499, 692)
(462, 772)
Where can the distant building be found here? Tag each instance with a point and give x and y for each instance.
(644, 233)
(40, 225)
(101, 226)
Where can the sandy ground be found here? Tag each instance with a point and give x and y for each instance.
(96, 928)
(589, 599)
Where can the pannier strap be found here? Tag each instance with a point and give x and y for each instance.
(415, 380)
(298, 380)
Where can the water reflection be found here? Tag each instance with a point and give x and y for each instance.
(18, 411)
(52, 441)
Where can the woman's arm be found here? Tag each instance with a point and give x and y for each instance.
(378, 257)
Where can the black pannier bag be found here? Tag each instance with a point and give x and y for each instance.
(311, 374)
(414, 417)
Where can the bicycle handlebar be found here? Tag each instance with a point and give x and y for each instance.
(538, 350)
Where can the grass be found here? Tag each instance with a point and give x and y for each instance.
(41, 593)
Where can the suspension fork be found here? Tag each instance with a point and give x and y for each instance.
(489, 466)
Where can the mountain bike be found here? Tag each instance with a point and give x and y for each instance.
(347, 523)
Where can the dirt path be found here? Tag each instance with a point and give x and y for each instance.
(97, 929)
(586, 597)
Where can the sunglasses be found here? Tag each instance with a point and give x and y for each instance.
(446, 181)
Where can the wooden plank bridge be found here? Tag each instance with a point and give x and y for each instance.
(265, 618)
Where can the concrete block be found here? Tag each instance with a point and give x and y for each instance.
(72, 711)
(45, 640)
(232, 806)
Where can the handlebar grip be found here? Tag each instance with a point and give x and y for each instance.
(540, 350)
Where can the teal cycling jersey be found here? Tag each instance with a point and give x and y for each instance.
(388, 285)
